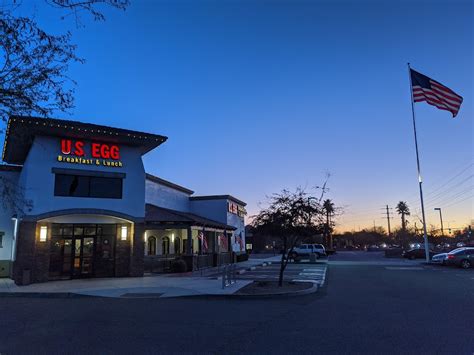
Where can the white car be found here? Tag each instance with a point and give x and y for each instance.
(308, 249)
(442, 257)
(319, 249)
(439, 258)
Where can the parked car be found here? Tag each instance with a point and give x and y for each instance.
(319, 249)
(373, 248)
(439, 258)
(305, 250)
(442, 257)
(462, 257)
(417, 253)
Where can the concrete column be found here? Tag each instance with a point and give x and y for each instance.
(123, 252)
(32, 259)
(137, 250)
(189, 242)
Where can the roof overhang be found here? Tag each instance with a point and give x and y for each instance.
(218, 197)
(21, 132)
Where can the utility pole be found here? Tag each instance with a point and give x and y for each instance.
(388, 221)
(441, 218)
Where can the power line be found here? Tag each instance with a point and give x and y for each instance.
(443, 184)
(462, 200)
(454, 177)
(450, 198)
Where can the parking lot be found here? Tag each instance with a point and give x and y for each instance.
(303, 271)
(293, 272)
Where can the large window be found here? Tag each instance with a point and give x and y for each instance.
(165, 246)
(87, 186)
(151, 245)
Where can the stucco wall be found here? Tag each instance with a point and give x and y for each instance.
(212, 209)
(38, 180)
(164, 196)
(239, 223)
(218, 211)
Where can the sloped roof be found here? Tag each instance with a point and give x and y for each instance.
(168, 183)
(160, 215)
(218, 197)
(21, 131)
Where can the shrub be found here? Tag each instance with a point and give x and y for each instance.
(178, 265)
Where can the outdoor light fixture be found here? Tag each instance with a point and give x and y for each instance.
(43, 233)
(123, 235)
(172, 238)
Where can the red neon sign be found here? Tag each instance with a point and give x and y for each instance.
(98, 150)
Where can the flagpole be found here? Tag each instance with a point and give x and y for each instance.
(425, 236)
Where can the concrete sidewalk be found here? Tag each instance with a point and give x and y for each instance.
(165, 285)
(148, 286)
(254, 261)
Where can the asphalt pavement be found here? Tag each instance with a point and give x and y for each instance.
(368, 305)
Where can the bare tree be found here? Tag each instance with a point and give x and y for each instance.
(291, 217)
(34, 63)
(33, 75)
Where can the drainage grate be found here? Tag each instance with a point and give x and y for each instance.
(141, 295)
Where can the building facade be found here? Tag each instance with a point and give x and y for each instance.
(78, 203)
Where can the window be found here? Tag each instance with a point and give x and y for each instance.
(152, 246)
(87, 186)
(177, 246)
(165, 246)
(1, 239)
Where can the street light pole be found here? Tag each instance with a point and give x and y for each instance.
(441, 218)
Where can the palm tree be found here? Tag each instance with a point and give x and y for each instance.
(403, 210)
(328, 207)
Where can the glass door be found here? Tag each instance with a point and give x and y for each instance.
(83, 256)
(82, 250)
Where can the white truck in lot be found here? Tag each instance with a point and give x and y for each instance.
(307, 250)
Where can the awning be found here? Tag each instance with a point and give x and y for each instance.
(160, 216)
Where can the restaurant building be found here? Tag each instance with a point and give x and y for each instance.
(78, 203)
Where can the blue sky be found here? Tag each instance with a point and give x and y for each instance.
(257, 96)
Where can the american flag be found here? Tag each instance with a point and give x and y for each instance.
(239, 239)
(223, 241)
(203, 241)
(434, 93)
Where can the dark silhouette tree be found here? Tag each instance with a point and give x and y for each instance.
(403, 210)
(329, 210)
(290, 217)
(34, 63)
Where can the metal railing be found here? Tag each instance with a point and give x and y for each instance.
(229, 275)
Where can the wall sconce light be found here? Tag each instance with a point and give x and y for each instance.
(124, 232)
(43, 233)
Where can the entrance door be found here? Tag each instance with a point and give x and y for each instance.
(83, 265)
(84, 250)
